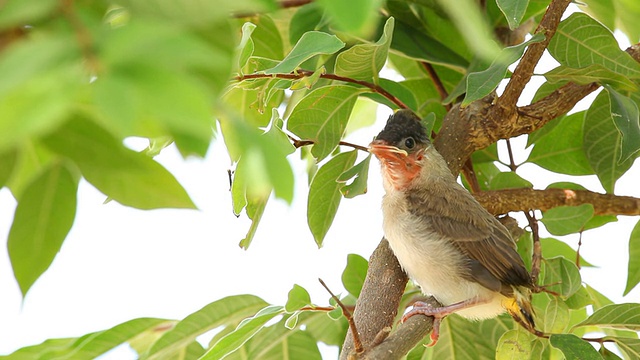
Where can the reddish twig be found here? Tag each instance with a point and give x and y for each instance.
(536, 258)
(299, 74)
(436, 82)
(347, 314)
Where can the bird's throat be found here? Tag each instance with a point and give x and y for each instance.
(400, 173)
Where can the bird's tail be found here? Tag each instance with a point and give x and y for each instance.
(520, 308)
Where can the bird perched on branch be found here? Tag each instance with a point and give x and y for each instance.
(443, 238)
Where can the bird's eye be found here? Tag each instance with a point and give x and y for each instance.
(409, 143)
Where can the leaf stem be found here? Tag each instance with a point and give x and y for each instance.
(299, 74)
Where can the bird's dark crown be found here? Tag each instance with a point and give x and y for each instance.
(401, 125)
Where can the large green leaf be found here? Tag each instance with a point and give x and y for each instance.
(480, 84)
(514, 345)
(602, 143)
(89, 346)
(354, 274)
(267, 39)
(43, 218)
(513, 11)
(322, 117)
(633, 269)
(8, 161)
(553, 247)
(592, 73)
(325, 196)
(561, 276)
(355, 16)
(626, 117)
(573, 347)
(631, 347)
(615, 316)
(415, 43)
(364, 61)
(312, 43)
(45, 71)
(561, 149)
(129, 177)
(556, 316)
(564, 220)
(245, 331)
(359, 175)
(581, 41)
(227, 311)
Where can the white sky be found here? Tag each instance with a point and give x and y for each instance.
(120, 263)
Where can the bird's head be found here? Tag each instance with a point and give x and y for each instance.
(400, 147)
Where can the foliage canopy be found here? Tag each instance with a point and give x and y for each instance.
(283, 77)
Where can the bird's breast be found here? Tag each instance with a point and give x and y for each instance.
(430, 259)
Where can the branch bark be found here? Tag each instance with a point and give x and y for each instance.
(507, 200)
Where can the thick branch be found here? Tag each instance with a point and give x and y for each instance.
(524, 70)
(378, 303)
(504, 201)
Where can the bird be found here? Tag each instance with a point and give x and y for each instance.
(450, 245)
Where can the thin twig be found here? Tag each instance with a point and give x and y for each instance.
(536, 258)
(299, 74)
(83, 35)
(299, 143)
(512, 163)
(347, 314)
(578, 250)
(436, 82)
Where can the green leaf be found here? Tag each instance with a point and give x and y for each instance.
(353, 16)
(262, 161)
(630, 347)
(513, 11)
(43, 70)
(602, 143)
(589, 74)
(561, 276)
(626, 117)
(564, 220)
(267, 39)
(298, 298)
(633, 272)
(324, 194)
(322, 117)
(480, 84)
(8, 160)
(226, 311)
(553, 247)
(354, 274)
(307, 18)
(509, 180)
(364, 61)
(129, 177)
(255, 209)
(573, 347)
(581, 41)
(579, 300)
(245, 331)
(471, 23)
(418, 45)
(18, 13)
(561, 150)
(323, 328)
(514, 345)
(245, 47)
(42, 220)
(556, 316)
(359, 173)
(615, 316)
(310, 44)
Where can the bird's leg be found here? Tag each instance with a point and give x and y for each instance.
(439, 313)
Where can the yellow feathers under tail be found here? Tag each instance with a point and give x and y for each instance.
(519, 307)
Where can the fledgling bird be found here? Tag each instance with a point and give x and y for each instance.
(443, 238)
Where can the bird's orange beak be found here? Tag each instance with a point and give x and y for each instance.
(382, 150)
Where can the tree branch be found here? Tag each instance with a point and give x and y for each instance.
(299, 74)
(377, 305)
(507, 200)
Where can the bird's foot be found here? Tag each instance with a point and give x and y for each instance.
(438, 313)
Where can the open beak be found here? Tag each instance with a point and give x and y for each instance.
(383, 150)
